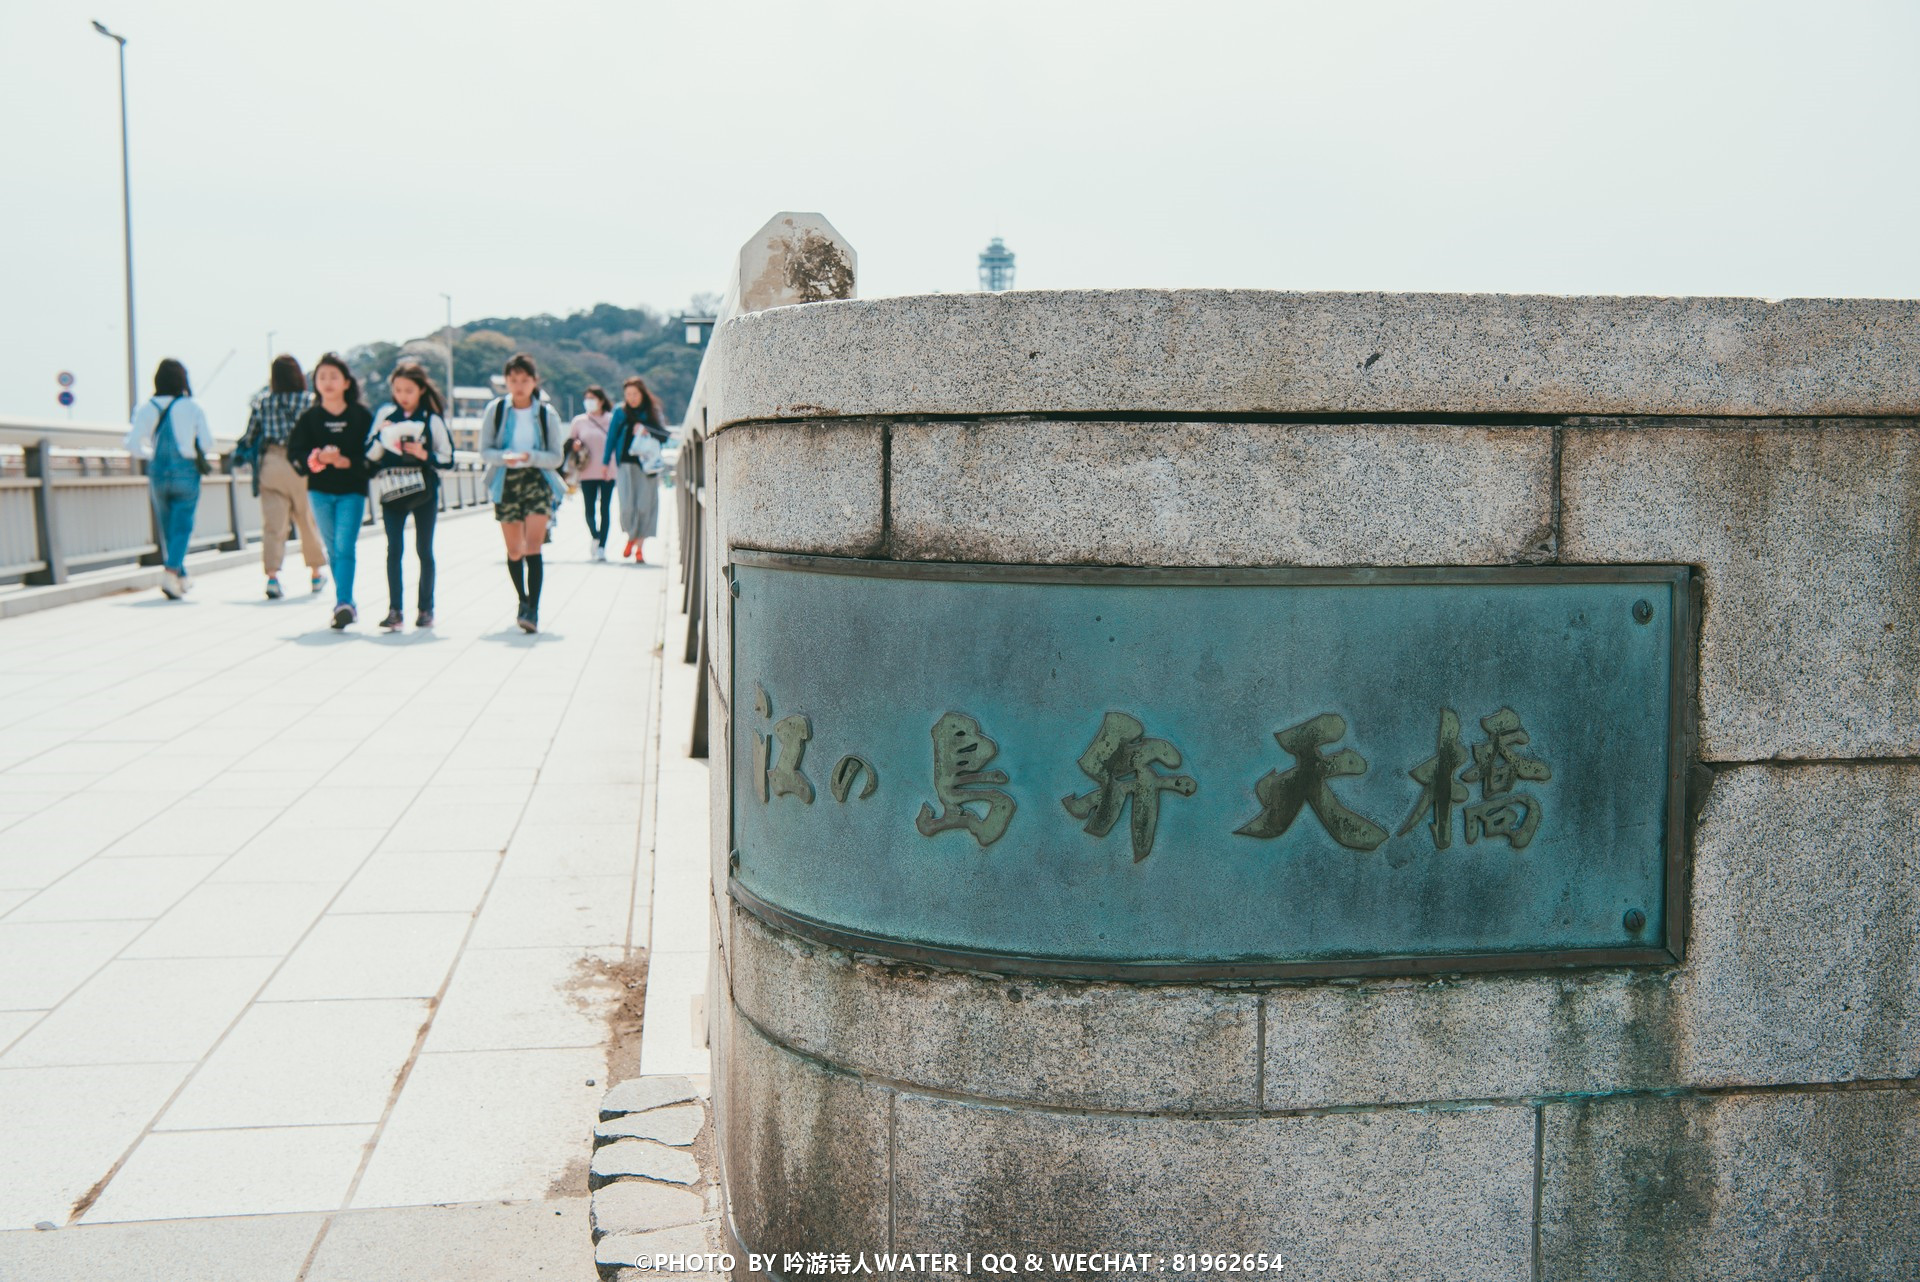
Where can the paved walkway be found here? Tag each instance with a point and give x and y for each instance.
(303, 924)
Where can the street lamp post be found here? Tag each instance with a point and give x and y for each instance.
(126, 215)
(270, 334)
(449, 338)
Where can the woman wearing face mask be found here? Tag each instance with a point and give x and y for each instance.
(587, 442)
(171, 433)
(328, 446)
(410, 445)
(635, 422)
(520, 443)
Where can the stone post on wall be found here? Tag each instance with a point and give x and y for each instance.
(1419, 786)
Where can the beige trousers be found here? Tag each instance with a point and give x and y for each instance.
(283, 497)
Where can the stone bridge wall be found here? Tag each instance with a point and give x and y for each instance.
(1749, 1113)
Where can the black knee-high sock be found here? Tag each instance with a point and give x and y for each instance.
(536, 571)
(518, 574)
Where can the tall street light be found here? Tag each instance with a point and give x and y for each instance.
(126, 215)
(449, 337)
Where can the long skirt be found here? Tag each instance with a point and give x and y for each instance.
(639, 502)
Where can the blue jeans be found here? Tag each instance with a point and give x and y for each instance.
(339, 517)
(423, 516)
(176, 493)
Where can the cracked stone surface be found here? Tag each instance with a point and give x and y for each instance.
(644, 1157)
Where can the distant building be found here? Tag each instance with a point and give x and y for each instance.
(698, 328)
(463, 417)
(996, 267)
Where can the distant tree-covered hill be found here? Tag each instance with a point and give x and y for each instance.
(604, 344)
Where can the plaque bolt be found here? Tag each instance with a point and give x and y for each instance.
(1643, 611)
(1635, 920)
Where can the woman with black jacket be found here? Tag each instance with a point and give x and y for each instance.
(639, 475)
(410, 444)
(328, 446)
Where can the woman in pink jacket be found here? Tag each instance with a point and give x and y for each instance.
(587, 442)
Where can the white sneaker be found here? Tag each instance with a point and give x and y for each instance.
(170, 586)
(599, 552)
(186, 585)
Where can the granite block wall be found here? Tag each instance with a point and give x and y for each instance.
(1748, 1113)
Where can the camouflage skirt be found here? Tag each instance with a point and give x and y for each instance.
(524, 494)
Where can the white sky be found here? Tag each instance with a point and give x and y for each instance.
(326, 170)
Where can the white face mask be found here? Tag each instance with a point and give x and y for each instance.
(594, 406)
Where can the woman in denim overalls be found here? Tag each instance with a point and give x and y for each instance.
(170, 431)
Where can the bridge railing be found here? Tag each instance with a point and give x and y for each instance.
(72, 501)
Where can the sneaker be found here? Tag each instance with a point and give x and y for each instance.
(319, 579)
(343, 615)
(424, 619)
(394, 621)
(632, 544)
(525, 619)
(273, 587)
(170, 585)
(186, 584)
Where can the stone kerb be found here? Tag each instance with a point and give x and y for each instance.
(1769, 445)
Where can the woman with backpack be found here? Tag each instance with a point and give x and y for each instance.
(587, 445)
(634, 437)
(170, 431)
(281, 490)
(328, 446)
(521, 444)
(410, 444)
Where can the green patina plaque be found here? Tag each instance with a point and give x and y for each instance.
(1189, 773)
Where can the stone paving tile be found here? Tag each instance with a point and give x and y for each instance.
(518, 1242)
(382, 955)
(266, 1072)
(302, 851)
(118, 889)
(478, 1125)
(65, 1127)
(249, 1249)
(570, 850)
(524, 998)
(434, 881)
(134, 1012)
(45, 962)
(555, 912)
(184, 1174)
(234, 919)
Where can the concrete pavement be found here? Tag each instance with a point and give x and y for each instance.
(298, 926)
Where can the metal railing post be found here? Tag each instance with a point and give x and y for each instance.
(238, 540)
(39, 465)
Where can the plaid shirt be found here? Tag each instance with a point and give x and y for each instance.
(274, 413)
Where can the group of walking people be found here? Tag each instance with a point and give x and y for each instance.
(319, 455)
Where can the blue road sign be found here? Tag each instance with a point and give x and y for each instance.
(65, 379)
(66, 398)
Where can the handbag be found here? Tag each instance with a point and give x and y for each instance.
(399, 486)
(645, 451)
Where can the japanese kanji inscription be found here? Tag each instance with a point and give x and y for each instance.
(1472, 766)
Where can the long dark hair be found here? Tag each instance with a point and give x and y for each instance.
(649, 403)
(339, 362)
(170, 379)
(416, 373)
(285, 376)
